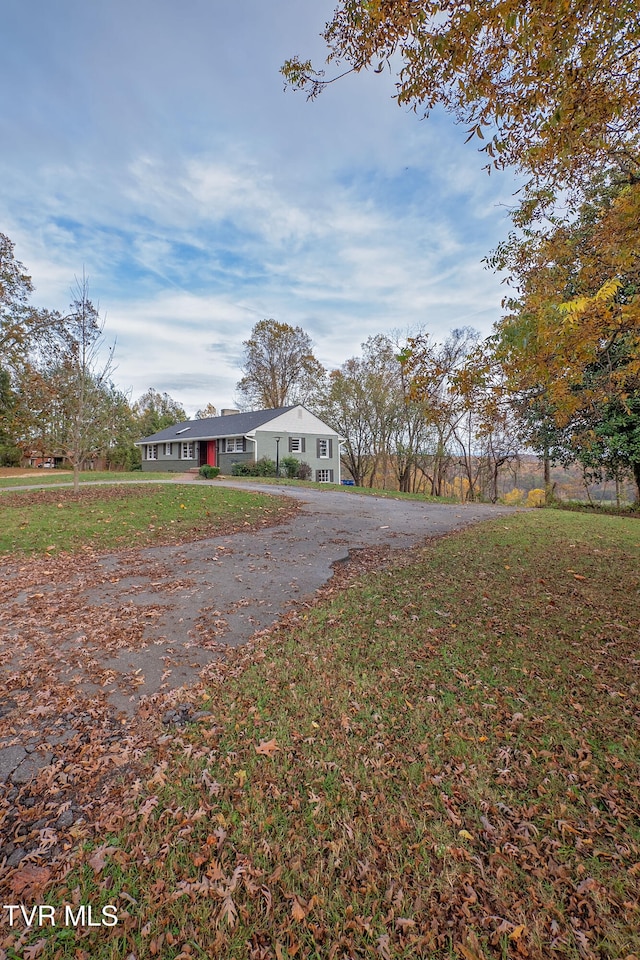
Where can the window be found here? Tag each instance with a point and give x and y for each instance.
(296, 445)
(186, 451)
(168, 449)
(152, 451)
(324, 476)
(324, 450)
(234, 445)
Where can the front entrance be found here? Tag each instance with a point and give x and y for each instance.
(207, 453)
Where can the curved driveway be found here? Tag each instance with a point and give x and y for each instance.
(221, 591)
(146, 621)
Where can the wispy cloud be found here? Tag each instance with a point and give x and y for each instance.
(199, 198)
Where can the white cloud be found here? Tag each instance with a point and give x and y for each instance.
(200, 198)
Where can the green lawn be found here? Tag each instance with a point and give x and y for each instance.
(439, 762)
(35, 477)
(367, 491)
(127, 515)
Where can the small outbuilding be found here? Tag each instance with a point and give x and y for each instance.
(235, 437)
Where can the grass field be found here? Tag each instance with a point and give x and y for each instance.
(367, 491)
(127, 515)
(439, 762)
(13, 477)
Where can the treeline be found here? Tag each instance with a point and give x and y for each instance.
(415, 414)
(58, 400)
(560, 375)
(452, 417)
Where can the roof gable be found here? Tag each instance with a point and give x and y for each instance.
(300, 420)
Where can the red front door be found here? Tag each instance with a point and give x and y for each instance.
(211, 453)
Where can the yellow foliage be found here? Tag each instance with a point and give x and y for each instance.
(536, 498)
(458, 487)
(606, 294)
(514, 497)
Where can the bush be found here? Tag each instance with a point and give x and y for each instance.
(10, 456)
(264, 468)
(514, 497)
(249, 468)
(208, 472)
(244, 468)
(291, 467)
(536, 498)
(304, 471)
(124, 456)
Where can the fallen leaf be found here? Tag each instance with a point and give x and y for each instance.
(29, 879)
(404, 923)
(267, 748)
(467, 953)
(297, 910)
(35, 949)
(99, 858)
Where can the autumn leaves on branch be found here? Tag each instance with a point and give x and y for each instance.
(552, 90)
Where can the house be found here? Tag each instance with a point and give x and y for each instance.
(235, 437)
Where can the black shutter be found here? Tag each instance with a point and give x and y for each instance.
(289, 444)
(244, 444)
(318, 449)
(302, 445)
(331, 453)
(317, 476)
(331, 475)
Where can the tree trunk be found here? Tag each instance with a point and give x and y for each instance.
(636, 477)
(548, 491)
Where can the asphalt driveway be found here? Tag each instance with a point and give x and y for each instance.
(152, 619)
(112, 632)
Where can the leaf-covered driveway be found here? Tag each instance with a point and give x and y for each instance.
(119, 630)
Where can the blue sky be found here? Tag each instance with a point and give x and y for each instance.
(151, 144)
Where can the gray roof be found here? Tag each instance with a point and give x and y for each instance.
(211, 428)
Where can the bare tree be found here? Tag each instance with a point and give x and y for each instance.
(80, 383)
(431, 371)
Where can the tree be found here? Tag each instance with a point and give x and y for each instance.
(10, 453)
(613, 451)
(208, 411)
(15, 290)
(155, 411)
(79, 386)
(121, 451)
(21, 325)
(348, 408)
(368, 401)
(493, 438)
(430, 369)
(554, 85)
(570, 344)
(279, 367)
